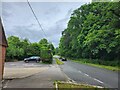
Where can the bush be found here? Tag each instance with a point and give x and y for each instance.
(100, 62)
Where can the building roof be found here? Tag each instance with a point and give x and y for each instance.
(3, 40)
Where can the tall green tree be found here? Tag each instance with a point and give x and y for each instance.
(14, 51)
(22, 48)
(92, 32)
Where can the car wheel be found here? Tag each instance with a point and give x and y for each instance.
(27, 61)
(37, 61)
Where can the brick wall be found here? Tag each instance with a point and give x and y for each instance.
(0, 62)
(2, 59)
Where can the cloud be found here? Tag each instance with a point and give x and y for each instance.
(5, 10)
(19, 20)
(55, 31)
(53, 10)
(26, 32)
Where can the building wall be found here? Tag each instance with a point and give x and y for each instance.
(2, 60)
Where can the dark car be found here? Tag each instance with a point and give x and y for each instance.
(64, 59)
(33, 58)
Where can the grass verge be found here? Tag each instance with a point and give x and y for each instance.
(74, 86)
(97, 65)
(58, 61)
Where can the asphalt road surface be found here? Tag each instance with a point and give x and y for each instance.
(81, 73)
(41, 79)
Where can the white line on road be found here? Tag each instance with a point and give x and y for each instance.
(91, 77)
(97, 80)
(56, 86)
(79, 71)
(86, 74)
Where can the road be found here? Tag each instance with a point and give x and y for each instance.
(81, 73)
(34, 77)
(38, 75)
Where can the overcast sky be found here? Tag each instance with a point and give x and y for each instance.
(18, 19)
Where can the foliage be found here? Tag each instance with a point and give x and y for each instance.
(110, 65)
(20, 49)
(46, 54)
(57, 51)
(58, 61)
(93, 32)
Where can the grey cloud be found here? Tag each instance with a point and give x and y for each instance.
(6, 12)
(27, 32)
(52, 16)
(54, 33)
(52, 10)
(61, 24)
(55, 39)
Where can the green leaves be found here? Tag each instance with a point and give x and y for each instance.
(14, 50)
(20, 49)
(93, 32)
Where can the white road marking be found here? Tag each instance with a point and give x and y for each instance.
(97, 80)
(91, 77)
(86, 74)
(69, 79)
(56, 86)
(79, 71)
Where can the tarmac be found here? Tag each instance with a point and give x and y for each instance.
(33, 77)
(16, 73)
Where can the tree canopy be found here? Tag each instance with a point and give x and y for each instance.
(93, 31)
(21, 48)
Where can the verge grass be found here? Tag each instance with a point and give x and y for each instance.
(74, 86)
(58, 61)
(113, 68)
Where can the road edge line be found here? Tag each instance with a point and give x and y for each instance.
(56, 85)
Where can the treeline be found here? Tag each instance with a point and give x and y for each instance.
(93, 32)
(18, 49)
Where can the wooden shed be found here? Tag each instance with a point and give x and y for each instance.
(3, 46)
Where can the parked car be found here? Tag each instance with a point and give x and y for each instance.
(33, 58)
(64, 59)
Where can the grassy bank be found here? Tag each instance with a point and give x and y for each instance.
(96, 64)
(73, 86)
(58, 61)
